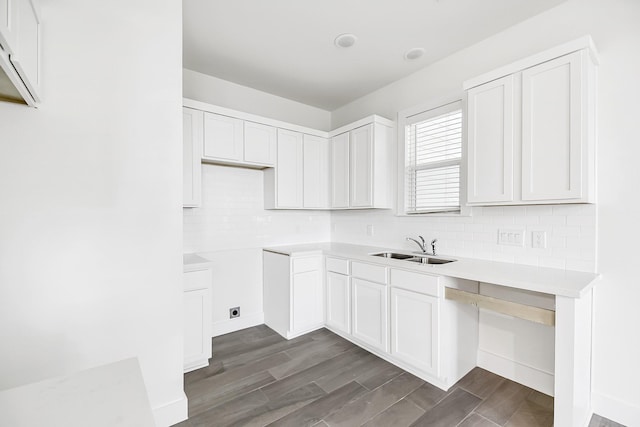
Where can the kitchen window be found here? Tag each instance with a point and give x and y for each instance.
(432, 159)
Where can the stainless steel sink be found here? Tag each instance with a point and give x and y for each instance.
(430, 260)
(422, 259)
(393, 255)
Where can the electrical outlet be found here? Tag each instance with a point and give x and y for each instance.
(369, 230)
(539, 239)
(510, 237)
(234, 312)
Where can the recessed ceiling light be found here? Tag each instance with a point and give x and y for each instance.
(345, 40)
(413, 53)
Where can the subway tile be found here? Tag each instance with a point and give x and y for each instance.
(581, 265)
(552, 262)
(581, 220)
(526, 220)
(567, 231)
(568, 209)
(539, 210)
(553, 220)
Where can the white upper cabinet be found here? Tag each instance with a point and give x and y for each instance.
(490, 119)
(531, 132)
(223, 137)
(20, 52)
(315, 172)
(361, 167)
(26, 55)
(229, 140)
(192, 128)
(348, 168)
(7, 32)
(340, 171)
(288, 173)
(553, 107)
(361, 164)
(259, 143)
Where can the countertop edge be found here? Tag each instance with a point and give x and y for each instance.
(501, 273)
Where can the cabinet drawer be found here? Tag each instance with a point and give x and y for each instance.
(375, 273)
(338, 265)
(300, 265)
(199, 279)
(421, 283)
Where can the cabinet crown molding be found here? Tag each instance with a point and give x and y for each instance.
(584, 42)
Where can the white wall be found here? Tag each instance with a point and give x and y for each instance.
(212, 90)
(614, 27)
(231, 228)
(90, 215)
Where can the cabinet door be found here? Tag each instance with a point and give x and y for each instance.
(259, 143)
(315, 172)
(197, 316)
(289, 169)
(361, 167)
(307, 297)
(370, 313)
(26, 54)
(340, 171)
(490, 142)
(414, 329)
(338, 312)
(7, 32)
(552, 117)
(192, 128)
(223, 137)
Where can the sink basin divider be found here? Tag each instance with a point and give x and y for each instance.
(522, 311)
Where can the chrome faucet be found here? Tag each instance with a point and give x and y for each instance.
(422, 244)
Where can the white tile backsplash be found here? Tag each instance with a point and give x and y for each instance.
(571, 233)
(232, 215)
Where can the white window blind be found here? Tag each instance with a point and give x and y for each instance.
(433, 151)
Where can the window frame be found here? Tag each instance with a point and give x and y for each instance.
(404, 118)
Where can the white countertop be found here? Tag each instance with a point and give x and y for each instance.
(193, 262)
(567, 283)
(106, 396)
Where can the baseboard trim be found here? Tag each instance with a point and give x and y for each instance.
(171, 413)
(614, 409)
(232, 325)
(518, 372)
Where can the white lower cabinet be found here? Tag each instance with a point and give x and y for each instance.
(338, 302)
(415, 329)
(306, 297)
(370, 313)
(400, 315)
(197, 318)
(293, 293)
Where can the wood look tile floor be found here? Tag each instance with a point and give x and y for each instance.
(257, 378)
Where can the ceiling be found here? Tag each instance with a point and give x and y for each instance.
(286, 47)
